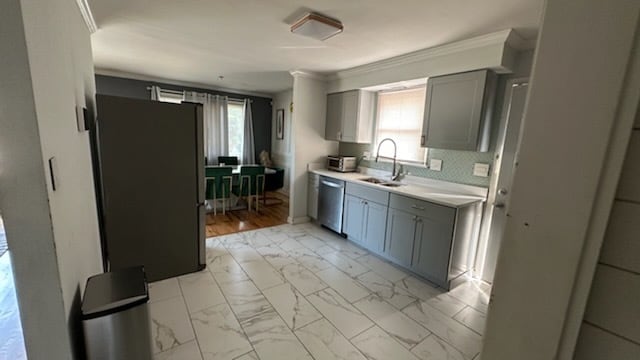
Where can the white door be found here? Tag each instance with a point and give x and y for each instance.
(506, 164)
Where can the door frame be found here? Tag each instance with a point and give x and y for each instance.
(485, 232)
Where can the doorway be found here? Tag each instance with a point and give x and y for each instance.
(11, 338)
(506, 155)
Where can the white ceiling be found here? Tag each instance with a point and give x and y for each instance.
(248, 42)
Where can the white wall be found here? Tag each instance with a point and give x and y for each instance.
(53, 235)
(309, 145)
(281, 149)
(571, 113)
(611, 318)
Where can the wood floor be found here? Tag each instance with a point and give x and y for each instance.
(272, 214)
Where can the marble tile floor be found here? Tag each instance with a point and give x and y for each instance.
(11, 338)
(302, 292)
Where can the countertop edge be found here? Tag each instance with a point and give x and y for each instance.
(350, 177)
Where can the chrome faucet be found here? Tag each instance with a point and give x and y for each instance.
(394, 175)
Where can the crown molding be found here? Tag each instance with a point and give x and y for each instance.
(127, 75)
(515, 41)
(308, 74)
(495, 38)
(87, 15)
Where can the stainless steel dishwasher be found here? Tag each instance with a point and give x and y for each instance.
(330, 199)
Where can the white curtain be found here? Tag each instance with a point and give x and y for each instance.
(155, 93)
(248, 147)
(216, 122)
(216, 127)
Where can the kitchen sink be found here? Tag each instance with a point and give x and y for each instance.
(381, 182)
(374, 180)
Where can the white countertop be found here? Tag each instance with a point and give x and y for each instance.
(435, 191)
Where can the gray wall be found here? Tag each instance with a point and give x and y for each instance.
(132, 88)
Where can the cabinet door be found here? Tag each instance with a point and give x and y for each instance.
(401, 229)
(353, 219)
(333, 126)
(453, 113)
(349, 116)
(432, 249)
(375, 226)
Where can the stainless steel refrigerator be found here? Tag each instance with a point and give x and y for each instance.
(149, 163)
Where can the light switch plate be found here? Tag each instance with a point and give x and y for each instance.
(480, 169)
(81, 118)
(53, 172)
(435, 164)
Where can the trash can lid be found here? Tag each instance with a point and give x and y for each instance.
(114, 291)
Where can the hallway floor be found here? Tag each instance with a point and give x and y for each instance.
(11, 340)
(302, 292)
(3, 239)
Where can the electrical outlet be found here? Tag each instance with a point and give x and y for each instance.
(435, 164)
(366, 155)
(480, 169)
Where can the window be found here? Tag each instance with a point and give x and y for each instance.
(170, 96)
(400, 116)
(236, 128)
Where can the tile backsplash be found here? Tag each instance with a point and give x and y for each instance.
(457, 166)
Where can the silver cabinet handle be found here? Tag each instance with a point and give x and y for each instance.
(502, 191)
(498, 205)
(422, 140)
(417, 207)
(339, 186)
(414, 218)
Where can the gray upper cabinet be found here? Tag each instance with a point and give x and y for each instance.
(458, 110)
(349, 116)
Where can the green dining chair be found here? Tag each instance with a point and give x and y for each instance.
(251, 184)
(218, 182)
(228, 160)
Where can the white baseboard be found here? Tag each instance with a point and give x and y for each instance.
(298, 220)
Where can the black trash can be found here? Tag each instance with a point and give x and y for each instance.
(115, 316)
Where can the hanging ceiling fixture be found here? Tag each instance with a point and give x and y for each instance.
(317, 26)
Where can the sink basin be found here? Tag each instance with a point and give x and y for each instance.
(382, 182)
(374, 180)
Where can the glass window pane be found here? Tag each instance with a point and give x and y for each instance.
(400, 115)
(236, 129)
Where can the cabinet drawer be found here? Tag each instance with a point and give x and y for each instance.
(367, 193)
(422, 208)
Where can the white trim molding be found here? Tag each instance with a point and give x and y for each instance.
(308, 74)
(87, 15)
(495, 38)
(127, 75)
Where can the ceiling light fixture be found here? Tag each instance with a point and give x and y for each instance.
(317, 26)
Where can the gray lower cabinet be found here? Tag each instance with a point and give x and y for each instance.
(432, 240)
(420, 236)
(401, 233)
(432, 248)
(365, 216)
(354, 218)
(375, 226)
